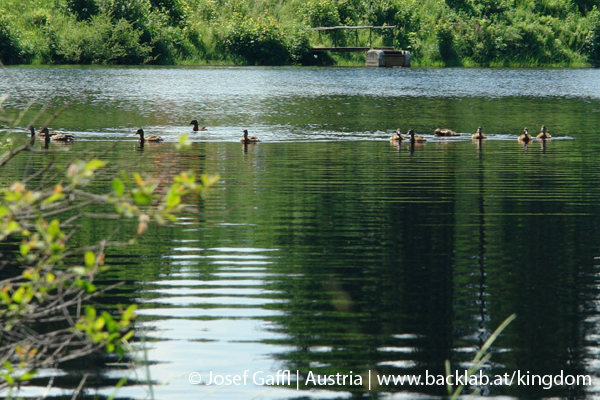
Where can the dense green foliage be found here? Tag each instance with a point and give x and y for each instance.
(450, 32)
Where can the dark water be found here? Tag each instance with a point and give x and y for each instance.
(325, 249)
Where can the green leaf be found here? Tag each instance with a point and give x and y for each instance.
(9, 379)
(99, 324)
(53, 198)
(88, 287)
(118, 187)
(129, 312)
(128, 335)
(54, 228)
(90, 259)
(142, 198)
(28, 375)
(24, 249)
(8, 366)
(94, 165)
(17, 296)
(209, 180)
(90, 313)
(173, 200)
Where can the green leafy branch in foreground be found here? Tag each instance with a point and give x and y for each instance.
(40, 308)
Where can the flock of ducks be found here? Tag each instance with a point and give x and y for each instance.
(479, 135)
(396, 137)
(48, 136)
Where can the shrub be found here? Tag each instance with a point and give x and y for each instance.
(445, 40)
(9, 50)
(133, 11)
(82, 9)
(175, 9)
(100, 41)
(592, 39)
(40, 17)
(299, 48)
(320, 13)
(256, 41)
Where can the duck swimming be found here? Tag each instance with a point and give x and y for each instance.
(445, 132)
(543, 134)
(57, 137)
(249, 139)
(414, 138)
(397, 135)
(43, 132)
(479, 134)
(152, 138)
(197, 128)
(525, 137)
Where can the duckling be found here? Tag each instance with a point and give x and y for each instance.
(197, 128)
(543, 134)
(152, 138)
(397, 135)
(249, 139)
(525, 137)
(414, 138)
(479, 134)
(445, 132)
(57, 137)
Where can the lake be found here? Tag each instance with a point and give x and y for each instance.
(326, 249)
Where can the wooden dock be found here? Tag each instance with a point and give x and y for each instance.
(376, 57)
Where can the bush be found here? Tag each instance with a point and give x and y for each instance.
(100, 41)
(256, 41)
(175, 9)
(9, 49)
(592, 39)
(299, 48)
(169, 43)
(82, 9)
(133, 11)
(320, 13)
(445, 40)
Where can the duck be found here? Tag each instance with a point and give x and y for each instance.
(152, 138)
(414, 138)
(56, 137)
(479, 134)
(525, 137)
(249, 139)
(397, 135)
(445, 132)
(197, 128)
(43, 132)
(543, 134)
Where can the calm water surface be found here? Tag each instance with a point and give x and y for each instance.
(324, 248)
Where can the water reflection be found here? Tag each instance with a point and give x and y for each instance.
(276, 105)
(325, 250)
